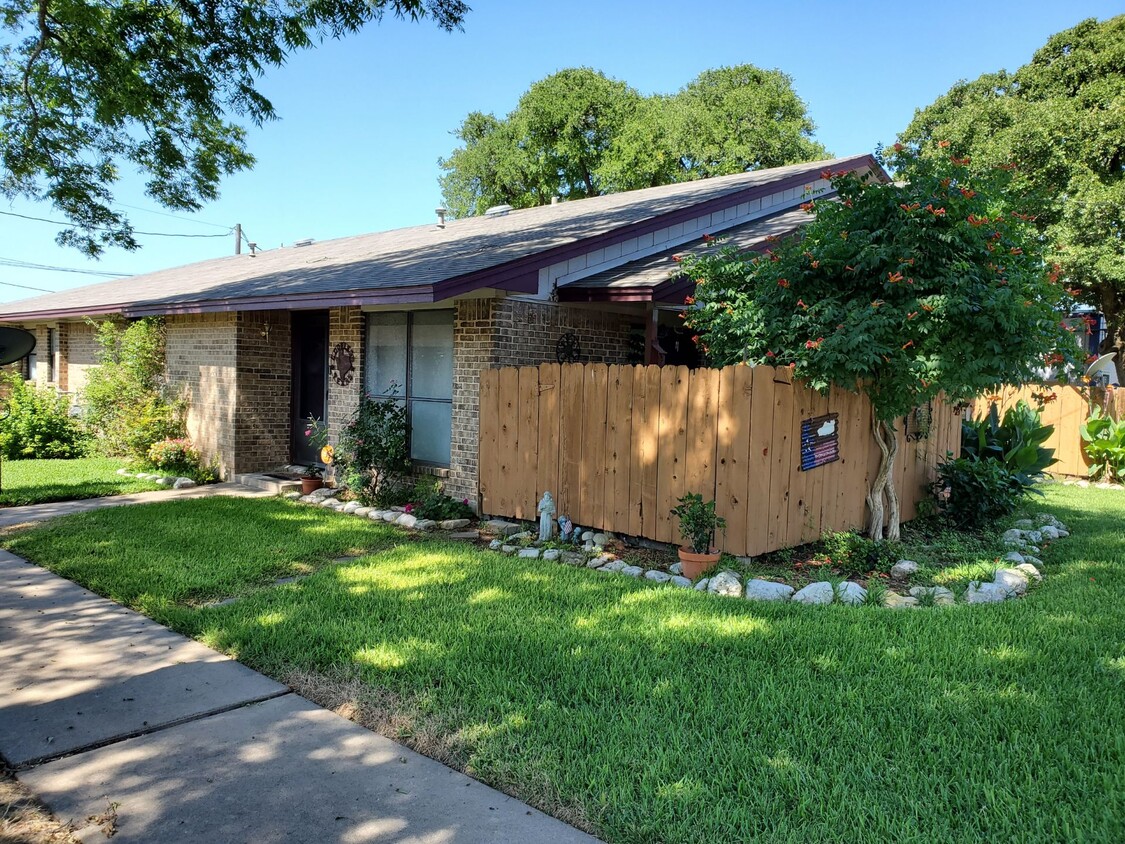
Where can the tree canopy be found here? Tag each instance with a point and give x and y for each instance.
(88, 87)
(904, 291)
(1060, 120)
(578, 133)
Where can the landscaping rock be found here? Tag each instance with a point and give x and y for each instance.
(1013, 557)
(986, 593)
(851, 593)
(454, 524)
(573, 558)
(329, 502)
(1011, 579)
(725, 583)
(325, 492)
(308, 499)
(632, 571)
(551, 555)
(1013, 535)
(1035, 561)
(613, 565)
(465, 535)
(124, 473)
(1029, 549)
(676, 568)
(502, 527)
(508, 549)
(406, 520)
(184, 483)
(657, 576)
(1062, 532)
(425, 524)
(375, 515)
(362, 511)
(895, 601)
(1049, 532)
(292, 496)
(680, 581)
(495, 545)
(1034, 536)
(165, 481)
(903, 569)
(596, 562)
(768, 590)
(1025, 524)
(529, 553)
(1031, 571)
(702, 585)
(942, 596)
(815, 593)
(351, 507)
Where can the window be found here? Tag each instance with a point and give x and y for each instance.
(410, 356)
(52, 355)
(32, 365)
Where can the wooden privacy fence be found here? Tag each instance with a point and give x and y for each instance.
(1067, 411)
(618, 445)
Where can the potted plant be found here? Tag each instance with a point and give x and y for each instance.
(698, 524)
(316, 432)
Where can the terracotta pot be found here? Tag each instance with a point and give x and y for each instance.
(310, 484)
(697, 564)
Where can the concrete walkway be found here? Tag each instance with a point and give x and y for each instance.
(36, 512)
(100, 707)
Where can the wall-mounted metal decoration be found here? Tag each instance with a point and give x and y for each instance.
(918, 422)
(820, 441)
(568, 349)
(342, 360)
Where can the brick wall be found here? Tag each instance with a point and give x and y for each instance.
(81, 354)
(264, 363)
(345, 325)
(509, 332)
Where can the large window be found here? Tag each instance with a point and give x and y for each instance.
(410, 357)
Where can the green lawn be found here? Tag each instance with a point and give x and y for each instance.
(664, 715)
(40, 481)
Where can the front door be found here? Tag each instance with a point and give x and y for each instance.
(310, 379)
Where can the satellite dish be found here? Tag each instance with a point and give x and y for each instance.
(1103, 371)
(15, 344)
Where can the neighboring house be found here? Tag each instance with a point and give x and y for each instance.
(256, 343)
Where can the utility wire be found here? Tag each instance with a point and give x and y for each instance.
(105, 228)
(28, 265)
(175, 216)
(27, 287)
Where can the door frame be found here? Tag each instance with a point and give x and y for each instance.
(304, 321)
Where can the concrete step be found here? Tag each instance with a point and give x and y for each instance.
(276, 482)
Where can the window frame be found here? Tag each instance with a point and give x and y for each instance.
(52, 356)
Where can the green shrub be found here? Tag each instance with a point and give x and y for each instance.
(372, 455)
(38, 424)
(977, 491)
(1016, 442)
(1105, 446)
(855, 554)
(127, 407)
(430, 502)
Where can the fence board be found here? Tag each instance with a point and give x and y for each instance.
(781, 449)
(547, 471)
(486, 444)
(649, 444)
(592, 471)
(673, 447)
(619, 447)
(527, 440)
(507, 440)
(732, 448)
(702, 421)
(571, 447)
(760, 461)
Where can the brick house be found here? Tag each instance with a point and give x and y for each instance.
(257, 342)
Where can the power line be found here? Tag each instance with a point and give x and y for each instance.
(175, 216)
(28, 265)
(27, 287)
(106, 228)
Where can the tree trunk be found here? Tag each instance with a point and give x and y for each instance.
(875, 494)
(893, 517)
(1114, 339)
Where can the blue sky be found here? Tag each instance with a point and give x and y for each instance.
(364, 120)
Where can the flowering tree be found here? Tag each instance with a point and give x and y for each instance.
(903, 292)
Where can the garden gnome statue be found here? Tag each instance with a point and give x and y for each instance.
(546, 517)
(565, 527)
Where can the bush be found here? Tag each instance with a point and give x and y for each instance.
(175, 456)
(1105, 446)
(431, 502)
(1016, 442)
(855, 554)
(978, 491)
(38, 424)
(372, 455)
(126, 404)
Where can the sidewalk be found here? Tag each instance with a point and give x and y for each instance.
(100, 706)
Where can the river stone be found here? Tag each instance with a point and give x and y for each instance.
(325, 492)
(508, 549)
(1049, 532)
(1025, 524)
(898, 602)
(183, 483)
(903, 569)
(165, 481)
(330, 502)
(1062, 532)
(465, 535)
(676, 568)
(613, 565)
(725, 583)
(1013, 557)
(363, 511)
(529, 553)
(1034, 536)
(307, 499)
(815, 593)
(1013, 535)
(292, 496)
(851, 593)
(1031, 572)
(986, 593)
(454, 524)
(495, 545)
(351, 506)
(768, 590)
(1011, 579)
(406, 520)
(391, 516)
(702, 585)
(596, 562)
(632, 571)
(657, 576)
(502, 527)
(573, 558)
(425, 524)
(125, 473)
(1035, 561)
(942, 596)
(551, 554)
(681, 581)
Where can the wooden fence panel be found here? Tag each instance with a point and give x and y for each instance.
(619, 447)
(593, 413)
(571, 447)
(547, 470)
(487, 430)
(648, 443)
(672, 452)
(732, 448)
(527, 444)
(507, 441)
(760, 461)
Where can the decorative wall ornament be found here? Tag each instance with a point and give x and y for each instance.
(342, 362)
(568, 349)
(918, 422)
(820, 441)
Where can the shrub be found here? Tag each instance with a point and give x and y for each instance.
(175, 456)
(698, 522)
(1105, 446)
(127, 406)
(431, 502)
(855, 554)
(38, 424)
(977, 491)
(1017, 441)
(372, 455)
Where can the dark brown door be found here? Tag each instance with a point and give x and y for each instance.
(310, 378)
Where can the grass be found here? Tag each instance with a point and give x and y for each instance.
(657, 714)
(41, 481)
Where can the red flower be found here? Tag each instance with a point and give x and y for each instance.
(808, 207)
(907, 345)
(1015, 250)
(967, 193)
(677, 258)
(707, 238)
(801, 304)
(826, 175)
(912, 314)
(977, 221)
(781, 282)
(689, 300)
(942, 144)
(814, 344)
(898, 147)
(894, 278)
(770, 354)
(695, 339)
(961, 162)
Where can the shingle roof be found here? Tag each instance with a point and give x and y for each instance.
(398, 265)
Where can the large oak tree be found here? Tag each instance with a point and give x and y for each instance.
(88, 87)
